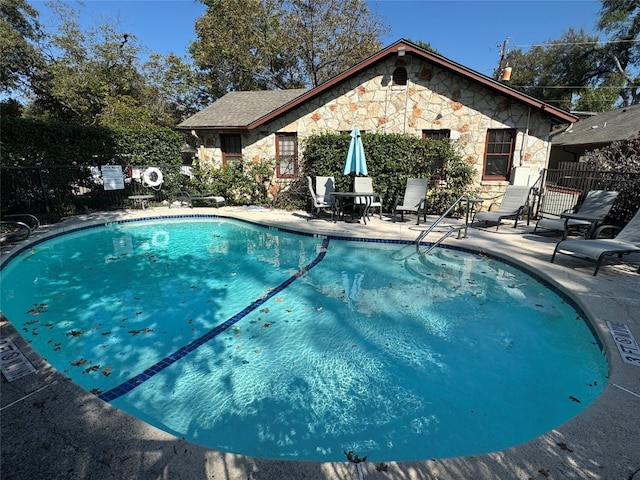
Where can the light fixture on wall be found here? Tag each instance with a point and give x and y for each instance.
(401, 51)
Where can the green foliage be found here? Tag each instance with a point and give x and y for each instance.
(391, 159)
(67, 151)
(244, 183)
(34, 142)
(19, 33)
(598, 74)
(622, 157)
(272, 44)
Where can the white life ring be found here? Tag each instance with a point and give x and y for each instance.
(152, 177)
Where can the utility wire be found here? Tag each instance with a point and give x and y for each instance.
(552, 43)
(571, 86)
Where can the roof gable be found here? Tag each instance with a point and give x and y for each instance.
(603, 128)
(249, 110)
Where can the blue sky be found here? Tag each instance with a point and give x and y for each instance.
(470, 32)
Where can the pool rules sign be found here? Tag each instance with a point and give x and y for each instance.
(627, 345)
(112, 177)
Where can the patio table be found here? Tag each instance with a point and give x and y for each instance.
(364, 209)
(141, 200)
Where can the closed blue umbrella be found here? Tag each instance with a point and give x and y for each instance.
(356, 161)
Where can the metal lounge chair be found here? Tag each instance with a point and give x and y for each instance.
(413, 200)
(514, 203)
(590, 214)
(321, 197)
(365, 185)
(627, 241)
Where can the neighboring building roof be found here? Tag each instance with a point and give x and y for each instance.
(603, 128)
(239, 109)
(248, 110)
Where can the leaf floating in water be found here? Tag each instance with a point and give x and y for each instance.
(142, 330)
(76, 333)
(95, 391)
(91, 369)
(265, 310)
(106, 371)
(574, 399)
(266, 325)
(279, 299)
(138, 313)
(31, 322)
(106, 333)
(38, 308)
(57, 347)
(77, 363)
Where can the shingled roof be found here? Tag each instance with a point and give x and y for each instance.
(602, 129)
(249, 110)
(239, 109)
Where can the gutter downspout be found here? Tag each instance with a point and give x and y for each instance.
(524, 138)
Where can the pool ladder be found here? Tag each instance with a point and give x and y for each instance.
(426, 232)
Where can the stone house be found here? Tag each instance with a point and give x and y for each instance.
(401, 89)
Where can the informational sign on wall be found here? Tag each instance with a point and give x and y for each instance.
(112, 177)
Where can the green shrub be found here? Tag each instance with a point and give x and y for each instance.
(391, 159)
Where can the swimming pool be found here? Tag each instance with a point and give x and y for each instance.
(272, 344)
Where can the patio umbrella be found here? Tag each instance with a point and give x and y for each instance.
(356, 161)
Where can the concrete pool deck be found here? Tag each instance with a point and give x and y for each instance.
(52, 429)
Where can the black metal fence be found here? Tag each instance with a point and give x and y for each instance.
(563, 189)
(53, 191)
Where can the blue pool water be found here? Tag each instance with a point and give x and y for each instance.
(272, 344)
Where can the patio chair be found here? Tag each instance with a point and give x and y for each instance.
(321, 197)
(590, 214)
(627, 241)
(365, 185)
(413, 199)
(514, 203)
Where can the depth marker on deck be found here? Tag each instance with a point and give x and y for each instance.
(627, 345)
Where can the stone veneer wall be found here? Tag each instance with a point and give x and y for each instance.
(432, 99)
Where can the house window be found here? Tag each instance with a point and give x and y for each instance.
(440, 134)
(231, 150)
(286, 155)
(498, 156)
(399, 76)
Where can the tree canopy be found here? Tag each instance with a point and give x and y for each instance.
(579, 71)
(278, 44)
(96, 76)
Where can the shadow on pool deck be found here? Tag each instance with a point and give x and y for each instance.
(52, 429)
